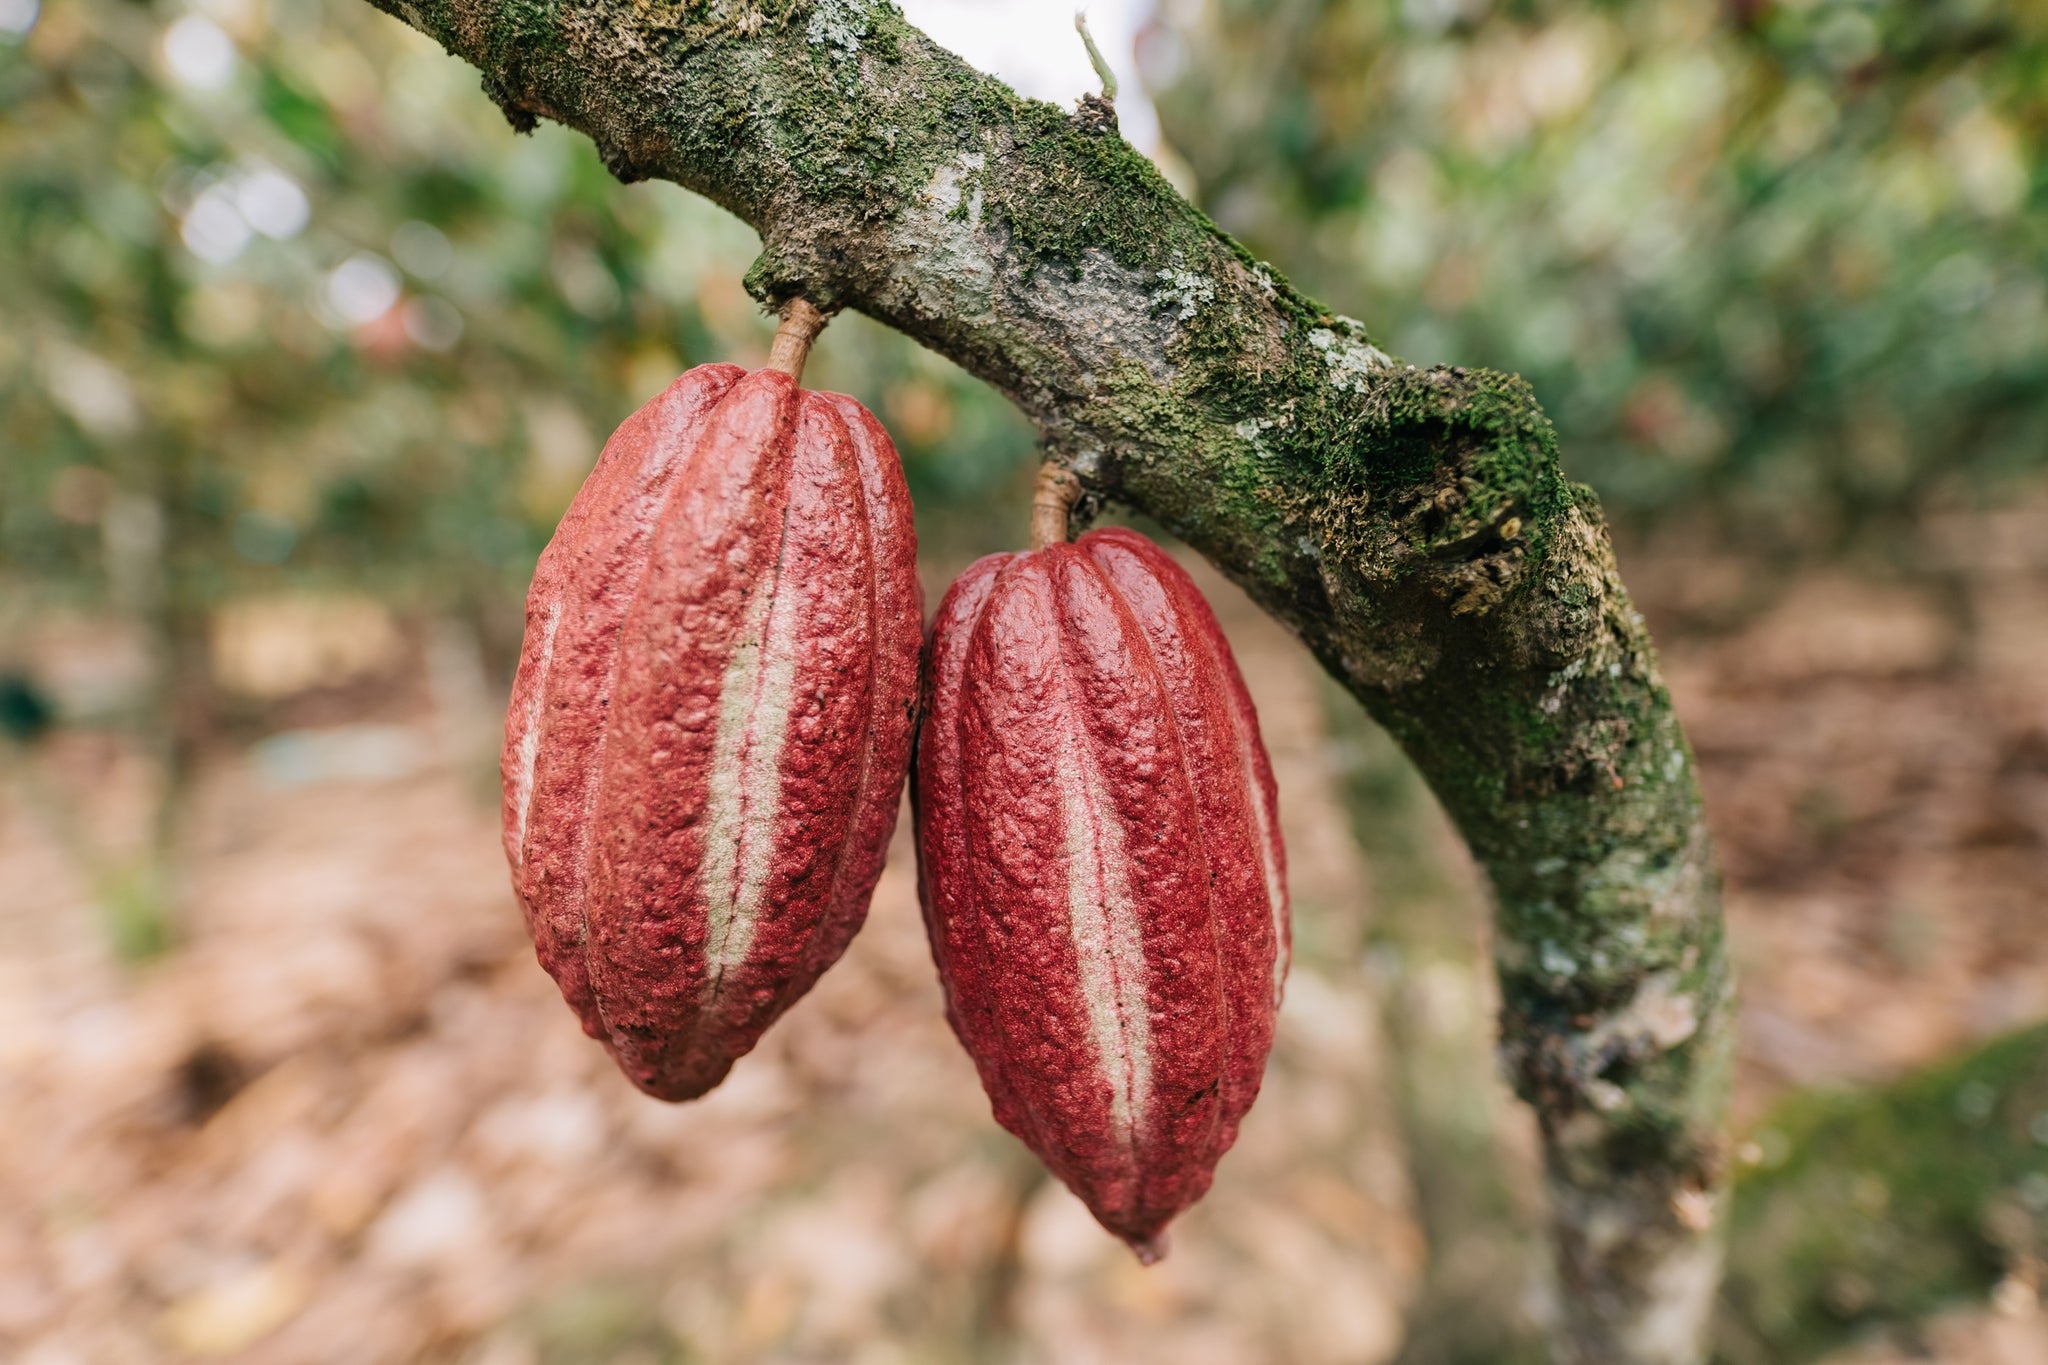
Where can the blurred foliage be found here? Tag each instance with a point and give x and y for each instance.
(1776, 262)
(288, 303)
(293, 317)
(26, 714)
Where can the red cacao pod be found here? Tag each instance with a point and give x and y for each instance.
(712, 717)
(1100, 864)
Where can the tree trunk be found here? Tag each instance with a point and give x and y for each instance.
(1479, 1301)
(1411, 525)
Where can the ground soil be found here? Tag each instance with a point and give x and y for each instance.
(348, 1119)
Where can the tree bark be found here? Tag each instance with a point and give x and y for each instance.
(1410, 524)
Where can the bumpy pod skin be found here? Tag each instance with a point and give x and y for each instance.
(1100, 863)
(712, 717)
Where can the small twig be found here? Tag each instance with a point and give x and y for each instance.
(801, 323)
(1095, 60)
(994, 1323)
(1054, 497)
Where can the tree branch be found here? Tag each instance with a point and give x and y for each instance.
(1412, 525)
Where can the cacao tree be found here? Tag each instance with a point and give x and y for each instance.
(1410, 524)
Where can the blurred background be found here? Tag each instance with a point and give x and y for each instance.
(303, 352)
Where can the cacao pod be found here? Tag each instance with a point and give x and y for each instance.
(1101, 870)
(712, 718)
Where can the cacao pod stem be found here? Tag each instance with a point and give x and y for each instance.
(800, 325)
(1053, 499)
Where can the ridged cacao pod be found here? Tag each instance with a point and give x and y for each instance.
(1100, 864)
(712, 717)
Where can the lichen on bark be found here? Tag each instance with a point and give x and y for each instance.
(1412, 525)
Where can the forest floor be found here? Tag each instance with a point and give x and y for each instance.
(348, 1120)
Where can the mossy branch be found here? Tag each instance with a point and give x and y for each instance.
(1410, 524)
